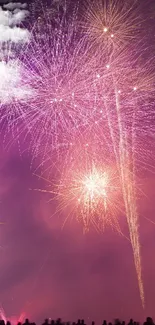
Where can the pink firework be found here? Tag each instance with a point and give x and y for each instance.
(63, 95)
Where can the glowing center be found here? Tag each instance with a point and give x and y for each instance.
(105, 29)
(95, 185)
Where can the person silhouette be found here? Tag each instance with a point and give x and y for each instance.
(26, 322)
(130, 322)
(8, 323)
(52, 322)
(149, 320)
(45, 322)
(117, 321)
(2, 322)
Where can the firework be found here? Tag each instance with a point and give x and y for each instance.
(111, 24)
(109, 98)
(13, 319)
(63, 95)
(89, 186)
(89, 94)
(90, 195)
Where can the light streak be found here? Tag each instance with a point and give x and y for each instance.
(13, 319)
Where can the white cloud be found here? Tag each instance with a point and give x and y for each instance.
(24, 13)
(8, 24)
(14, 34)
(18, 16)
(12, 87)
(15, 5)
(8, 18)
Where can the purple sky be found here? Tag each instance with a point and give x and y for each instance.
(49, 272)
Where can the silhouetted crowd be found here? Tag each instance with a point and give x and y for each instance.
(149, 321)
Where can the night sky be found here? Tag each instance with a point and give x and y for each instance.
(47, 271)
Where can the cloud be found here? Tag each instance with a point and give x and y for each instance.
(9, 31)
(11, 35)
(11, 87)
(8, 18)
(14, 35)
(15, 5)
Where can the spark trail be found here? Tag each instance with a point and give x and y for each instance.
(13, 319)
(128, 186)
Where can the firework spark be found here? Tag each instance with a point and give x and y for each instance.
(110, 25)
(91, 83)
(62, 99)
(90, 189)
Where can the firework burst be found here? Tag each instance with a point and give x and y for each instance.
(89, 187)
(110, 25)
(62, 91)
